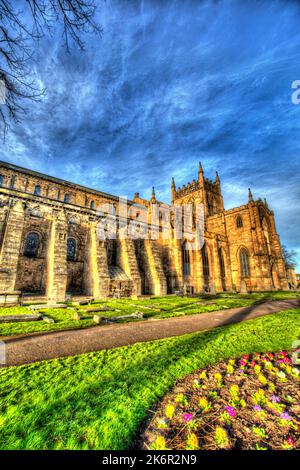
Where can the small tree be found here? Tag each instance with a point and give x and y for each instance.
(17, 38)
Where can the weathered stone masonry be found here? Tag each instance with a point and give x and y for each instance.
(49, 245)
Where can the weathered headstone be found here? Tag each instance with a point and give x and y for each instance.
(47, 319)
(46, 306)
(243, 288)
(212, 289)
(97, 319)
(76, 316)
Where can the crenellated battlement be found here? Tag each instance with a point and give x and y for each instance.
(187, 189)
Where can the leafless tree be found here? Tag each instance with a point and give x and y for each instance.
(289, 257)
(20, 27)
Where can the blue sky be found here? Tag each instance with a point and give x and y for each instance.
(167, 84)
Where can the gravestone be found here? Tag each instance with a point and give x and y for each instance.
(243, 289)
(212, 289)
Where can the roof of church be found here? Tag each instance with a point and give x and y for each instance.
(117, 274)
(20, 169)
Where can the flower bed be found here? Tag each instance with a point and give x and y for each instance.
(251, 402)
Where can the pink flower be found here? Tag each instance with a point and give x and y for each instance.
(275, 399)
(282, 353)
(231, 411)
(285, 416)
(257, 408)
(187, 417)
(290, 441)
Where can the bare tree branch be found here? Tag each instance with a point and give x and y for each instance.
(17, 38)
(289, 257)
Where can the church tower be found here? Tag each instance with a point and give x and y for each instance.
(201, 191)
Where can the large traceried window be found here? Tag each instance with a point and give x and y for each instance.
(222, 263)
(186, 261)
(244, 263)
(222, 268)
(31, 245)
(71, 249)
(205, 263)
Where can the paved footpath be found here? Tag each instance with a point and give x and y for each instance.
(38, 347)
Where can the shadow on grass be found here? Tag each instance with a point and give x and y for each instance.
(267, 308)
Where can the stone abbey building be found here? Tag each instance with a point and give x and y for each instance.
(50, 249)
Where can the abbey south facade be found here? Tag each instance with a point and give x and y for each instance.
(50, 248)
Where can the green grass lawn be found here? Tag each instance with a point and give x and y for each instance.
(156, 307)
(62, 316)
(98, 400)
(173, 306)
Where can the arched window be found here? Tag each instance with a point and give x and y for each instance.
(222, 268)
(31, 246)
(244, 263)
(37, 190)
(1, 181)
(92, 205)
(71, 249)
(239, 222)
(186, 261)
(222, 263)
(67, 198)
(205, 264)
